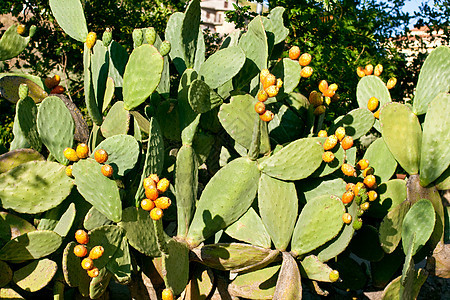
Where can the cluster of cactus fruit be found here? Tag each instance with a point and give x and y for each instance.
(369, 70)
(262, 199)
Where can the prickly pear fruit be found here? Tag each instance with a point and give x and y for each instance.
(269, 80)
(156, 213)
(330, 142)
(93, 272)
(370, 181)
(279, 83)
(163, 202)
(372, 195)
(147, 204)
(81, 237)
(333, 87)
(377, 114)
(149, 183)
(107, 170)
(329, 93)
(96, 252)
(52, 82)
(328, 156)
(267, 116)
(138, 37)
(263, 75)
(350, 186)
(362, 164)
(91, 39)
(165, 48)
(69, 171)
(357, 224)
(294, 52)
(163, 185)
(323, 86)
(365, 206)
(391, 83)
(327, 99)
(262, 96)
(70, 154)
(367, 171)
(348, 196)
(347, 218)
(373, 103)
(20, 29)
(167, 294)
(23, 91)
(272, 90)
(82, 150)
(378, 70)
(150, 35)
(315, 98)
(101, 156)
(80, 250)
(319, 110)
(155, 177)
(334, 275)
(151, 193)
(368, 70)
(340, 133)
(59, 89)
(347, 143)
(348, 170)
(260, 108)
(87, 263)
(306, 72)
(360, 72)
(304, 59)
(322, 133)
(107, 37)
(358, 187)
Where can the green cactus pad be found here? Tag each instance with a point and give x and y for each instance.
(110, 238)
(390, 230)
(372, 86)
(238, 117)
(99, 68)
(286, 125)
(81, 128)
(31, 245)
(154, 157)
(9, 293)
(74, 274)
(99, 284)
(9, 88)
(327, 168)
(250, 228)
(284, 163)
(312, 188)
(278, 29)
(98, 189)
(435, 157)
(51, 217)
(393, 289)
(140, 231)
(186, 181)
(55, 126)
(142, 75)
(189, 119)
(222, 66)
(89, 93)
(226, 197)
(418, 225)
(315, 269)
(19, 141)
(120, 264)
(322, 214)
(12, 43)
(390, 194)
(278, 213)
(381, 159)
(173, 35)
(202, 98)
(118, 60)
(258, 284)
(289, 71)
(176, 266)
(289, 285)
(337, 245)
(66, 221)
(201, 283)
(366, 244)
(433, 79)
(190, 30)
(164, 84)
(109, 93)
(356, 123)
(234, 257)
(443, 182)
(123, 152)
(6, 274)
(402, 134)
(35, 275)
(34, 187)
(14, 158)
(70, 16)
(203, 144)
(95, 219)
(117, 121)
(12, 226)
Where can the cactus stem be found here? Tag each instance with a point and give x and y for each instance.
(162, 244)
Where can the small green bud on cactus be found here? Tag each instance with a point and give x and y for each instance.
(23, 91)
(32, 30)
(357, 224)
(150, 35)
(138, 37)
(165, 48)
(107, 37)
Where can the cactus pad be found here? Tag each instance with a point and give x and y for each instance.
(6, 274)
(34, 187)
(322, 214)
(9, 88)
(95, 219)
(120, 264)
(117, 121)
(226, 197)
(98, 189)
(35, 275)
(110, 238)
(258, 284)
(381, 159)
(176, 266)
(9, 293)
(31, 245)
(284, 163)
(17, 225)
(314, 269)
(278, 29)
(99, 284)
(12, 43)
(339, 157)
(278, 213)
(65, 222)
(394, 289)
(74, 274)
(12, 159)
(402, 134)
(391, 227)
(356, 123)
(173, 35)
(56, 127)
(289, 71)
(70, 16)
(123, 152)
(202, 98)
(289, 285)
(313, 188)
(390, 194)
(142, 75)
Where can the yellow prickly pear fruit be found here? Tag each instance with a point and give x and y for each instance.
(391, 83)
(378, 70)
(315, 98)
(163, 202)
(328, 156)
(163, 185)
(347, 143)
(260, 108)
(327, 100)
(69, 171)
(167, 294)
(377, 114)
(21, 29)
(347, 218)
(306, 72)
(304, 59)
(329, 93)
(279, 83)
(373, 103)
(269, 80)
(323, 86)
(267, 116)
(156, 213)
(82, 150)
(263, 74)
(294, 52)
(334, 275)
(362, 164)
(368, 70)
(70, 154)
(319, 110)
(322, 133)
(348, 170)
(91, 39)
(333, 87)
(360, 72)
(330, 142)
(272, 90)
(340, 133)
(96, 252)
(262, 96)
(372, 195)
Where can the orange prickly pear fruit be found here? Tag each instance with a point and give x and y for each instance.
(348, 170)
(368, 171)
(365, 206)
(372, 195)
(149, 183)
(154, 177)
(358, 187)
(304, 59)
(319, 110)
(378, 70)
(347, 218)
(52, 82)
(272, 90)
(370, 181)
(70, 154)
(333, 87)
(260, 108)
(360, 72)
(328, 156)
(334, 275)
(377, 114)
(167, 294)
(368, 70)
(151, 193)
(347, 143)
(147, 204)
(315, 98)
(340, 133)
(20, 29)
(262, 96)
(163, 202)
(329, 93)
(59, 89)
(81, 237)
(156, 213)
(294, 52)
(80, 251)
(330, 142)
(107, 170)
(87, 263)
(267, 116)
(82, 150)
(322, 133)
(263, 75)
(391, 83)
(350, 186)
(101, 156)
(91, 39)
(93, 272)
(348, 196)
(323, 86)
(163, 185)
(268, 81)
(362, 164)
(306, 72)
(69, 171)
(279, 83)
(96, 252)
(373, 103)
